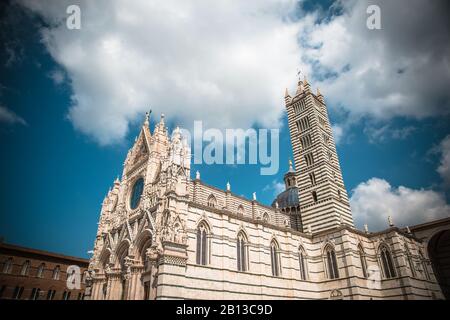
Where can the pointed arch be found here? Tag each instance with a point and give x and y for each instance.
(424, 263)
(240, 210)
(25, 268)
(143, 242)
(410, 260)
(40, 271)
(362, 260)
(7, 265)
(386, 261)
(212, 201)
(303, 263)
(203, 243)
(121, 252)
(330, 262)
(266, 217)
(242, 251)
(275, 258)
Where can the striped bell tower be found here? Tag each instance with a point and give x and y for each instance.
(324, 202)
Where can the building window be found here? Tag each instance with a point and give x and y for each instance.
(136, 193)
(212, 202)
(312, 178)
(275, 259)
(410, 262)
(17, 293)
(7, 266)
(302, 264)
(55, 275)
(266, 217)
(314, 196)
(387, 263)
(66, 295)
(424, 265)
(40, 271)
(202, 244)
(331, 263)
(309, 159)
(51, 294)
(362, 259)
(242, 252)
(240, 210)
(25, 268)
(35, 294)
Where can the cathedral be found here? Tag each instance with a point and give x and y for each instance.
(163, 234)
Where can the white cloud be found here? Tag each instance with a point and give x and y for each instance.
(274, 187)
(401, 70)
(387, 132)
(444, 166)
(338, 133)
(227, 63)
(373, 201)
(9, 117)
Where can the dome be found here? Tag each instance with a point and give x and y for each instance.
(287, 199)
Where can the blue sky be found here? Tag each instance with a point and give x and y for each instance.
(56, 169)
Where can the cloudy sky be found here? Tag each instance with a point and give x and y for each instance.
(71, 101)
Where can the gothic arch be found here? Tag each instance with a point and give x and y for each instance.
(386, 260)
(212, 201)
(143, 241)
(122, 251)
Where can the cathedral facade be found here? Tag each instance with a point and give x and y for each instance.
(165, 235)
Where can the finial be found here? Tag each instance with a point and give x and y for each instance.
(276, 205)
(318, 92)
(305, 81)
(366, 228)
(290, 165)
(147, 117)
(197, 175)
(390, 221)
(286, 94)
(408, 230)
(254, 196)
(228, 186)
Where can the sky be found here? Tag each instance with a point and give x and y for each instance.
(72, 101)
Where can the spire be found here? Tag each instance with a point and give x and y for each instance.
(286, 94)
(291, 168)
(147, 118)
(306, 85)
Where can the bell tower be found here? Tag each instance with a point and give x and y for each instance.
(324, 202)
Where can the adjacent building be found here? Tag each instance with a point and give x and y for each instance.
(30, 274)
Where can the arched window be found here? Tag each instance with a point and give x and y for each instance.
(266, 217)
(25, 268)
(7, 266)
(136, 193)
(386, 262)
(424, 263)
(202, 244)
(331, 263)
(242, 252)
(303, 264)
(40, 271)
(275, 258)
(362, 259)
(55, 275)
(410, 262)
(240, 210)
(212, 202)
(314, 196)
